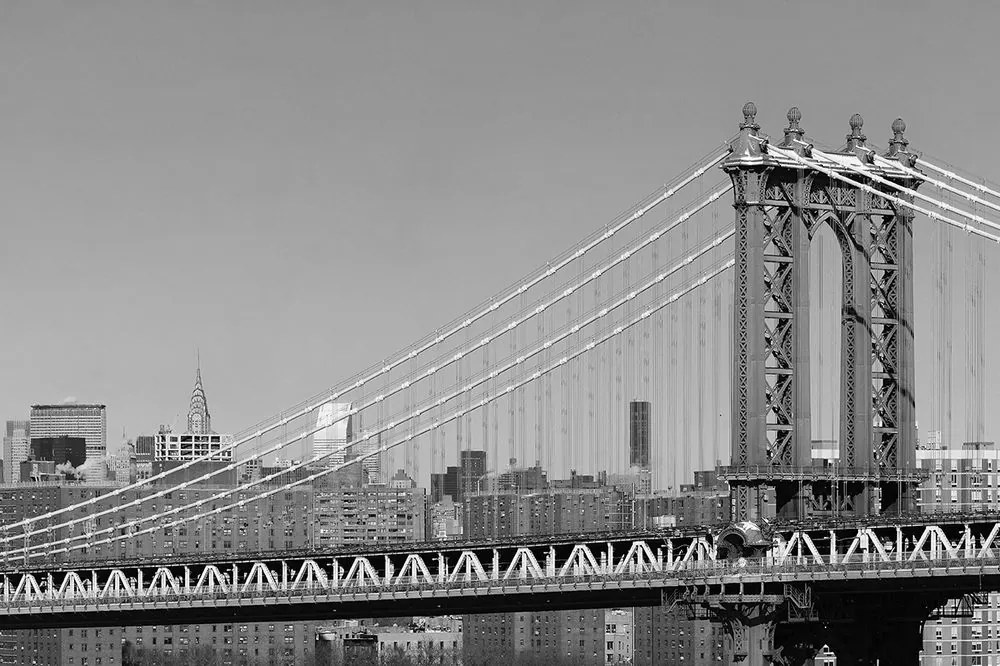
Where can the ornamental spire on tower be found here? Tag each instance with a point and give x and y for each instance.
(199, 420)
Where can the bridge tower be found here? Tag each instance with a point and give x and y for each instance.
(779, 206)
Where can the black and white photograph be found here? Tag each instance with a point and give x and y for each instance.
(478, 333)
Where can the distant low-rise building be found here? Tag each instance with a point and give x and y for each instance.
(249, 471)
(445, 520)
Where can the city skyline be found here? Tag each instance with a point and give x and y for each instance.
(636, 334)
(240, 146)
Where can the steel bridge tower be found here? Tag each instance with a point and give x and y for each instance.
(779, 206)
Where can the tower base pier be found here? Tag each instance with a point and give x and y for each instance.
(787, 624)
(761, 492)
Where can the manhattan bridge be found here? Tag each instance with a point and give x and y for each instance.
(833, 554)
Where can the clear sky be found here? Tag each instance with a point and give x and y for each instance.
(299, 189)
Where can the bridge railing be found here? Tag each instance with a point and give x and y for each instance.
(707, 571)
(822, 472)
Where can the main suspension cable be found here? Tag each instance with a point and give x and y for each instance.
(410, 378)
(594, 342)
(951, 175)
(489, 307)
(598, 316)
(868, 173)
(814, 164)
(968, 196)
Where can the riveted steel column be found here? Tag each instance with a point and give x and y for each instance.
(749, 439)
(856, 349)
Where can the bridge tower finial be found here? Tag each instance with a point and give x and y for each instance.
(777, 204)
(856, 139)
(793, 133)
(749, 117)
(898, 142)
(747, 144)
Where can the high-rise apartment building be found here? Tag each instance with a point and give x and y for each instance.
(553, 511)
(354, 514)
(424, 640)
(558, 637)
(965, 478)
(639, 428)
(704, 502)
(578, 504)
(282, 521)
(16, 446)
(88, 421)
(517, 480)
(669, 635)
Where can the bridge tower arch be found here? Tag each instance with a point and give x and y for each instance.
(779, 204)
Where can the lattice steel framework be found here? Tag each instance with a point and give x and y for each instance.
(779, 206)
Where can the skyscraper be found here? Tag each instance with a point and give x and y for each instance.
(638, 434)
(335, 434)
(459, 482)
(365, 448)
(144, 446)
(199, 420)
(16, 443)
(76, 420)
(171, 450)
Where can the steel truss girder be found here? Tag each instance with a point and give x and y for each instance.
(856, 555)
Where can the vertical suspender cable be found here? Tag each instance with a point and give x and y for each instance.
(946, 249)
(539, 390)
(550, 415)
(511, 417)
(522, 415)
(716, 351)
(688, 390)
(658, 408)
(704, 448)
